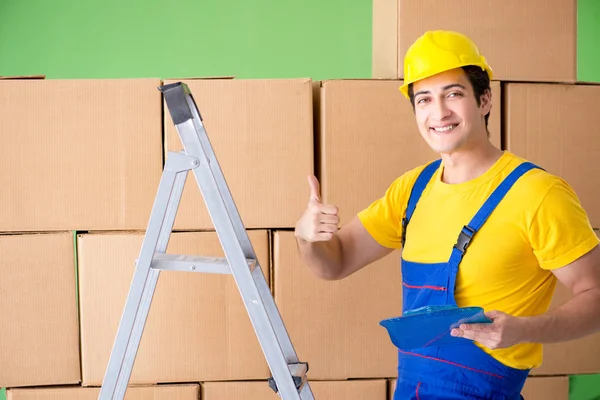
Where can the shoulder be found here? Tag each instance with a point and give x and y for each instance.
(537, 182)
(539, 188)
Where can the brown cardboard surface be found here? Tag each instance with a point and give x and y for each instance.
(334, 325)
(552, 126)
(197, 329)
(580, 356)
(546, 388)
(385, 39)
(330, 390)
(166, 392)
(368, 137)
(39, 343)
(84, 154)
(522, 40)
(262, 134)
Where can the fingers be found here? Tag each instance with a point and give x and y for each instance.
(491, 340)
(327, 228)
(484, 338)
(325, 209)
(494, 314)
(470, 334)
(331, 218)
(320, 221)
(315, 189)
(478, 327)
(325, 223)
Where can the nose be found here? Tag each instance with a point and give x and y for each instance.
(440, 111)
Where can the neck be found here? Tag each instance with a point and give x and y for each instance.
(464, 165)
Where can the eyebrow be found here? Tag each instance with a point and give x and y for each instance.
(452, 85)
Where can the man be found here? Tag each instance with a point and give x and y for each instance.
(478, 227)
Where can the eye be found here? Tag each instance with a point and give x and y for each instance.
(455, 94)
(422, 100)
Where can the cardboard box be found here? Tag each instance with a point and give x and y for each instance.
(546, 388)
(262, 134)
(580, 356)
(39, 344)
(166, 392)
(368, 136)
(522, 40)
(84, 154)
(334, 325)
(536, 388)
(552, 126)
(332, 390)
(197, 329)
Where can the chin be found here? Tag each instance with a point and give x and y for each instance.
(443, 147)
(446, 144)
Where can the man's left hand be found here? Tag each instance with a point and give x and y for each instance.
(504, 331)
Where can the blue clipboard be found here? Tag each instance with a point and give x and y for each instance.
(430, 326)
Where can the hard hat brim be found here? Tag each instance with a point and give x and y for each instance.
(406, 83)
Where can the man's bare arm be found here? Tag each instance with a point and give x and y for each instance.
(333, 253)
(349, 249)
(578, 317)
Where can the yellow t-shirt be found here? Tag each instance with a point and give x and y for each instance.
(538, 226)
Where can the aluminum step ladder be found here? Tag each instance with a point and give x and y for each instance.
(288, 375)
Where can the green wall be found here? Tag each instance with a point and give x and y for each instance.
(182, 38)
(588, 35)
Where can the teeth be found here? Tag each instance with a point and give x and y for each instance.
(445, 128)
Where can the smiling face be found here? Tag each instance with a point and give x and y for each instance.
(447, 112)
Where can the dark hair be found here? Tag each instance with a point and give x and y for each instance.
(478, 78)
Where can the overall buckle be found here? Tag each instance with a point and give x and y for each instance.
(404, 225)
(464, 238)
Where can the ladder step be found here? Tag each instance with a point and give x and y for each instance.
(211, 265)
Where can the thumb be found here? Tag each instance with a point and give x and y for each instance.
(493, 314)
(315, 191)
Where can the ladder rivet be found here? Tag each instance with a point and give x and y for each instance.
(194, 162)
(193, 267)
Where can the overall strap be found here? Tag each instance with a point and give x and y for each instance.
(468, 231)
(415, 194)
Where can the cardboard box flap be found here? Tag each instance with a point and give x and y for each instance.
(23, 77)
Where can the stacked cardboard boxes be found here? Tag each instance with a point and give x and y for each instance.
(81, 155)
(80, 214)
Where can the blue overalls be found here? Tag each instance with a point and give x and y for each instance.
(451, 372)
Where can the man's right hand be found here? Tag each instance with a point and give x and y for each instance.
(320, 221)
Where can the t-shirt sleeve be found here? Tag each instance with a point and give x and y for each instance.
(560, 231)
(383, 218)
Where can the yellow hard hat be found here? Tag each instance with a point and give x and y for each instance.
(439, 51)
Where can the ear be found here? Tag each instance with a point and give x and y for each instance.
(485, 102)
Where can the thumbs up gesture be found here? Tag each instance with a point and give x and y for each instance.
(320, 221)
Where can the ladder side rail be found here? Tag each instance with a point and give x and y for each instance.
(143, 285)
